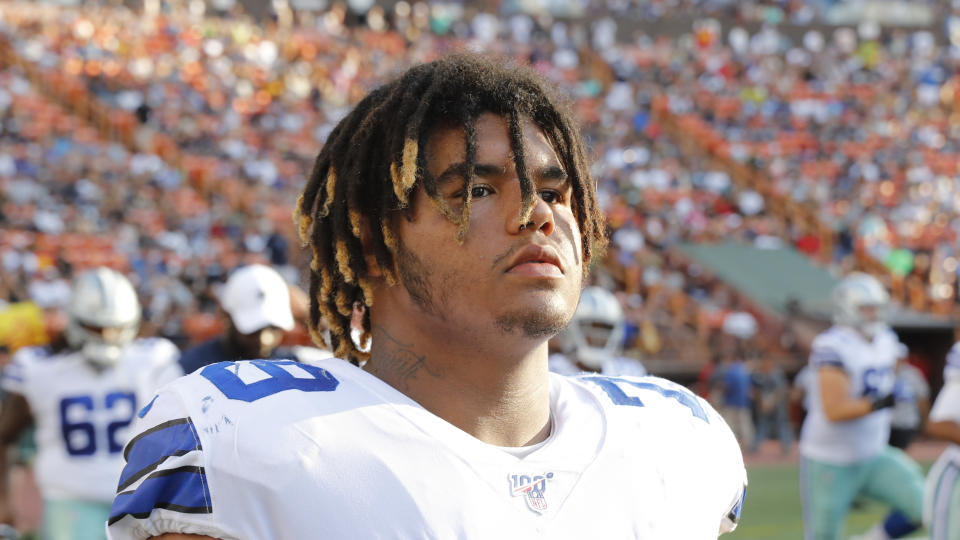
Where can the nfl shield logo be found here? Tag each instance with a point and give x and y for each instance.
(532, 489)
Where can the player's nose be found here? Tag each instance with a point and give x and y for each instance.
(540, 216)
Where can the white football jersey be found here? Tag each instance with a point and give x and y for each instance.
(281, 450)
(951, 368)
(83, 416)
(947, 406)
(943, 475)
(614, 366)
(870, 368)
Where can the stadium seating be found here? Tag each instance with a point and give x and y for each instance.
(224, 116)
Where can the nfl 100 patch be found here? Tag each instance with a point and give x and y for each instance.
(532, 488)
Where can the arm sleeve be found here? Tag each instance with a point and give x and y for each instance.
(826, 354)
(947, 405)
(700, 458)
(160, 360)
(16, 374)
(164, 487)
(167, 367)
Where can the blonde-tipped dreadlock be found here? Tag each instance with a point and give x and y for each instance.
(373, 161)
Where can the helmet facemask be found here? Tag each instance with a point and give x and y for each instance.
(596, 332)
(102, 347)
(104, 316)
(862, 303)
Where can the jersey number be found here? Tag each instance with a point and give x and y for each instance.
(611, 386)
(875, 380)
(79, 431)
(267, 377)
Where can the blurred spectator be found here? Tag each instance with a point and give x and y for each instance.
(770, 401)
(732, 384)
(256, 304)
(800, 395)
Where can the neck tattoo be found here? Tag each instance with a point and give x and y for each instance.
(400, 363)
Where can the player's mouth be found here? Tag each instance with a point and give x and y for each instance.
(536, 261)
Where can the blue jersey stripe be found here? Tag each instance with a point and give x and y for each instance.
(824, 356)
(143, 412)
(820, 363)
(183, 489)
(152, 447)
(734, 514)
(154, 430)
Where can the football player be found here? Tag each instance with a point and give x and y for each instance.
(843, 442)
(455, 203)
(941, 512)
(593, 342)
(82, 401)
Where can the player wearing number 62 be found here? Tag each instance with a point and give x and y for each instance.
(454, 210)
(82, 401)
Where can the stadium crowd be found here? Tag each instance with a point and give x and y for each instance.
(855, 125)
(222, 89)
(228, 115)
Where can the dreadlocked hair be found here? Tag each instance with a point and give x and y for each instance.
(373, 161)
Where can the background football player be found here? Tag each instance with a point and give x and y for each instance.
(843, 442)
(593, 341)
(941, 513)
(82, 400)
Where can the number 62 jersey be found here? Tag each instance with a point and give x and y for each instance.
(284, 450)
(83, 415)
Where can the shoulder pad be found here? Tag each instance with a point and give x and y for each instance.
(650, 392)
(164, 477)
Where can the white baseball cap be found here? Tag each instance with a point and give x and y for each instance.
(740, 324)
(255, 297)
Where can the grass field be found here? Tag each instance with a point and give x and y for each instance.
(772, 509)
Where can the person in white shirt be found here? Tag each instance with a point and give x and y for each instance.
(82, 401)
(941, 512)
(454, 207)
(843, 441)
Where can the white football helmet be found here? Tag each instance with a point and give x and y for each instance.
(857, 291)
(104, 316)
(596, 332)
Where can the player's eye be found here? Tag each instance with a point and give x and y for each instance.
(551, 196)
(480, 191)
(477, 192)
